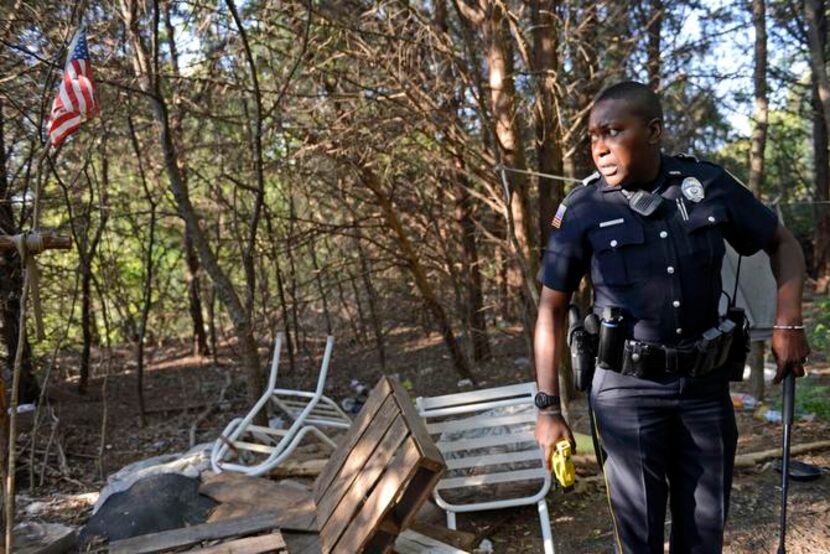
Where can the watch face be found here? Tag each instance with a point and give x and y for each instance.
(541, 400)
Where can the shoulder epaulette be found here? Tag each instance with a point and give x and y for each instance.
(590, 178)
(687, 157)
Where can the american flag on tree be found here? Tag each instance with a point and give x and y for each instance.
(76, 100)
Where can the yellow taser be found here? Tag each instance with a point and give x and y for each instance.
(562, 465)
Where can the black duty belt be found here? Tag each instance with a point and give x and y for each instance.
(646, 359)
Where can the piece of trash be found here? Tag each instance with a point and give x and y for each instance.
(352, 405)
(485, 547)
(743, 401)
(465, 383)
(359, 388)
(522, 362)
(766, 414)
(807, 417)
(276, 423)
(24, 408)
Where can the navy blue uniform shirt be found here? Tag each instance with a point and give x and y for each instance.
(663, 270)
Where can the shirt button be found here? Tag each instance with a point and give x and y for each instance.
(711, 219)
(663, 234)
(676, 303)
(670, 270)
(613, 244)
(679, 331)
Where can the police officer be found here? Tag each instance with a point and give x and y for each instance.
(648, 228)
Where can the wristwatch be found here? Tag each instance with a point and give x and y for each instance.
(546, 401)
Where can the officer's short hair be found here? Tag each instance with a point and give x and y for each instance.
(641, 99)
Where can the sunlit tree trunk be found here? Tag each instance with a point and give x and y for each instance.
(192, 269)
(756, 162)
(816, 17)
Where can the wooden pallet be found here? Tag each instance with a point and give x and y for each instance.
(370, 489)
(384, 469)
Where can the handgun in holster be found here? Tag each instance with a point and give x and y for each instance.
(583, 345)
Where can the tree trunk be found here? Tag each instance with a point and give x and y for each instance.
(372, 300)
(194, 287)
(150, 80)
(436, 310)
(817, 35)
(756, 161)
(548, 139)
(473, 305)
(11, 285)
(654, 30)
(508, 133)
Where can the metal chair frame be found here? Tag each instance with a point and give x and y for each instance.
(308, 410)
(452, 413)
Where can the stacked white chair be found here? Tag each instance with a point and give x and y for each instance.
(477, 459)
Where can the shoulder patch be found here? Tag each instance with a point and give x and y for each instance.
(560, 213)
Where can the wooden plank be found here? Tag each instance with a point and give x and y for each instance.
(252, 447)
(417, 492)
(272, 542)
(462, 540)
(266, 430)
(389, 487)
(302, 543)
(416, 426)
(292, 468)
(335, 514)
(358, 455)
(298, 518)
(230, 486)
(413, 542)
(373, 404)
(191, 535)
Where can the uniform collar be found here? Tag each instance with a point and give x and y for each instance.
(668, 168)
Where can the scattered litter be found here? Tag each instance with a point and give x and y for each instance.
(743, 401)
(353, 404)
(522, 362)
(465, 383)
(276, 422)
(24, 408)
(485, 547)
(763, 413)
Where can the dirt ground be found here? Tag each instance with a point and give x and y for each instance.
(179, 388)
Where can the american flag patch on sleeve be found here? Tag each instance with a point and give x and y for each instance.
(557, 218)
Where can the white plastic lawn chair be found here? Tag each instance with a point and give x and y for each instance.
(452, 416)
(308, 411)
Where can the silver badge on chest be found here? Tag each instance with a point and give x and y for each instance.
(692, 189)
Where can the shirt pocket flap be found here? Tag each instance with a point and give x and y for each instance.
(706, 216)
(617, 236)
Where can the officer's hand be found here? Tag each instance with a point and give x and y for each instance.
(550, 429)
(790, 349)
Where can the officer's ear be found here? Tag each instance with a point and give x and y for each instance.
(655, 130)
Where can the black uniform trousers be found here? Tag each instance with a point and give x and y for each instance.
(667, 438)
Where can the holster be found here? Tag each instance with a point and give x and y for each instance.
(739, 349)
